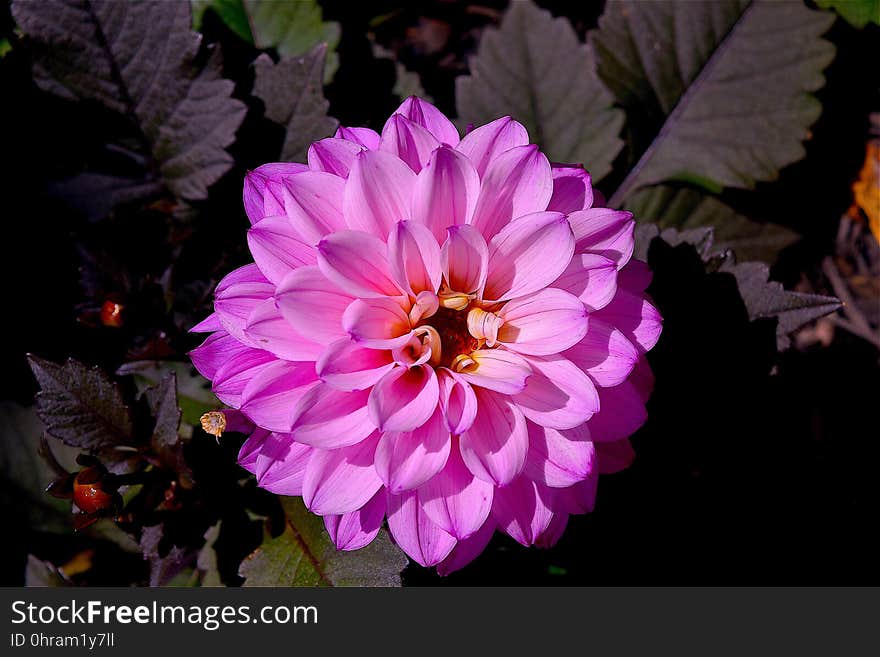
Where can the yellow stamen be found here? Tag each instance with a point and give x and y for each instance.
(463, 363)
(432, 339)
(455, 300)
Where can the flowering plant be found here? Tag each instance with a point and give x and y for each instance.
(445, 331)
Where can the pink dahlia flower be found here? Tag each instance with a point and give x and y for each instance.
(439, 331)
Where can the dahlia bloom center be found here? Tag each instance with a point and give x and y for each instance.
(444, 332)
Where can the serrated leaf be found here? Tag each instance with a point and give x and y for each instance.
(686, 207)
(535, 69)
(763, 298)
(167, 564)
(304, 555)
(80, 405)
(139, 59)
(24, 474)
(193, 390)
(293, 95)
(292, 27)
(165, 439)
(856, 12)
(724, 86)
(768, 299)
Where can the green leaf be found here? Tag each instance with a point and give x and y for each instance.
(304, 555)
(293, 95)
(231, 12)
(80, 405)
(685, 208)
(535, 69)
(292, 27)
(193, 390)
(24, 474)
(857, 12)
(718, 93)
(763, 298)
(138, 59)
(5, 47)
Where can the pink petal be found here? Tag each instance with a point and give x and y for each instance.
(604, 231)
(467, 550)
(210, 324)
(365, 137)
(414, 258)
(543, 323)
(484, 144)
(356, 262)
(284, 476)
(550, 536)
(377, 323)
(278, 249)
(408, 141)
(268, 398)
(581, 497)
(559, 458)
(455, 500)
(623, 412)
(342, 480)
(268, 329)
(498, 370)
(635, 277)
(636, 318)
(465, 259)
(404, 399)
(231, 377)
(236, 297)
(572, 189)
(247, 455)
(521, 511)
(356, 529)
(614, 457)
(604, 354)
(414, 532)
(378, 193)
(347, 366)
(313, 305)
(558, 394)
(457, 401)
(334, 156)
(263, 189)
(313, 203)
(216, 351)
(643, 378)
(446, 192)
(328, 418)
(407, 459)
(494, 448)
(518, 182)
(429, 117)
(527, 255)
(591, 278)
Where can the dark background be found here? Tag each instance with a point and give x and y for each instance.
(753, 468)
